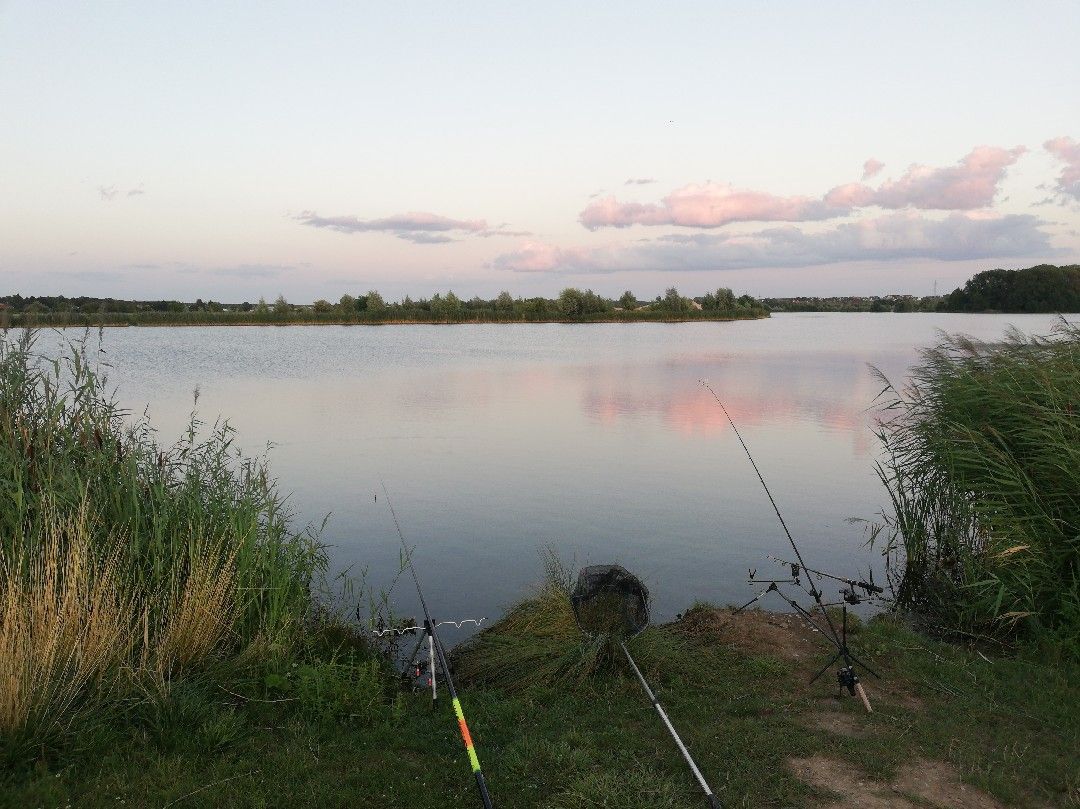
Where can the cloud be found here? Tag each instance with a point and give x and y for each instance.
(110, 192)
(1067, 150)
(709, 205)
(423, 237)
(499, 231)
(640, 181)
(544, 257)
(417, 227)
(871, 167)
(893, 237)
(253, 270)
(969, 184)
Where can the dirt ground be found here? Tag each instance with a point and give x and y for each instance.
(920, 783)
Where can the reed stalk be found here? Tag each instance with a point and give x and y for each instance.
(982, 467)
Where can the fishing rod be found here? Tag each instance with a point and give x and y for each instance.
(436, 643)
(846, 674)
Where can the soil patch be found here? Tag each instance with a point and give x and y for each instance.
(785, 636)
(920, 783)
(773, 634)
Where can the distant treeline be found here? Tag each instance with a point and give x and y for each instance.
(856, 303)
(1041, 289)
(1044, 288)
(572, 305)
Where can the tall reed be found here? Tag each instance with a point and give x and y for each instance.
(64, 440)
(123, 558)
(982, 466)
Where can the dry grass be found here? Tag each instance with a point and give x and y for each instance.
(125, 563)
(198, 615)
(73, 630)
(65, 624)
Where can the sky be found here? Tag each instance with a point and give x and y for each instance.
(235, 150)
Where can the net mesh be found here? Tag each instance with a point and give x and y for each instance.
(609, 599)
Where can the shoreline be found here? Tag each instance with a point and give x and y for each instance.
(234, 323)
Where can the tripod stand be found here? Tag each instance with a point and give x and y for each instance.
(846, 674)
(416, 667)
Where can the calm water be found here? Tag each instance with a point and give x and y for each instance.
(596, 440)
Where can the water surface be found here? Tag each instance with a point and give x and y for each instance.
(596, 440)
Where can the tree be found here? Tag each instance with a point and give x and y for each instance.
(1043, 288)
(725, 299)
(673, 302)
(445, 308)
(504, 303)
(347, 303)
(628, 301)
(322, 306)
(571, 302)
(374, 302)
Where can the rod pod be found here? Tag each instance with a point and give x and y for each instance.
(712, 799)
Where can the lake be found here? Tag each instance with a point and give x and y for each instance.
(496, 441)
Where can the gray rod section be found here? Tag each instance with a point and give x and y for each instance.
(713, 802)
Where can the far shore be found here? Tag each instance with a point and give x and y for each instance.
(304, 322)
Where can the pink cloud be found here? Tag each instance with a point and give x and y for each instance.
(543, 257)
(971, 183)
(894, 237)
(871, 167)
(709, 205)
(1067, 150)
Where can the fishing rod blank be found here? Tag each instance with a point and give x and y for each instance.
(610, 600)
(713, 802)
(846, 675)
(429, 626)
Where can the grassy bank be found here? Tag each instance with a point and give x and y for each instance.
(950, 728)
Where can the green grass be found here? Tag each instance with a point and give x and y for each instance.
(127, 564)
(983, 469)
(1009, 727)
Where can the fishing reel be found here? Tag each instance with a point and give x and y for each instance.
(420, 674)
(850, 596)
(847, 678)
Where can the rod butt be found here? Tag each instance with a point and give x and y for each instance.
(862, 695)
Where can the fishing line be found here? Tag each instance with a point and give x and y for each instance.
(406, 630)
(430, 627)
(764, 485)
